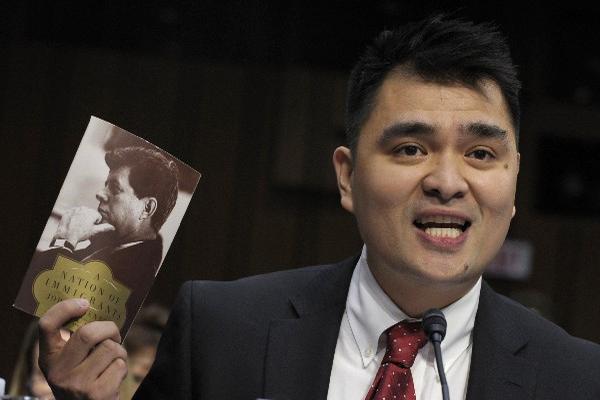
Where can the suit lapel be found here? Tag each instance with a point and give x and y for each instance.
(497, 372)
(300, 350)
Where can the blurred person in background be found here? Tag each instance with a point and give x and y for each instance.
(142, 341)
(27, 378)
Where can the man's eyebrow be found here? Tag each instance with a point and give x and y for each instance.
(486, 130)
(111, 180)
(402, 129)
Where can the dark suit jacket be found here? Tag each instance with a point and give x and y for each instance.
(273, 336)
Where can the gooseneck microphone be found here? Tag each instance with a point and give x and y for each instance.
(434, 325)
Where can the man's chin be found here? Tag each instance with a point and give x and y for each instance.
(437, 272)
(452, 276)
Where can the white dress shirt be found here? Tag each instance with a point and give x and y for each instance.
(361, 342)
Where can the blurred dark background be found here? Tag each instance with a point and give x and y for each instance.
(251, 94)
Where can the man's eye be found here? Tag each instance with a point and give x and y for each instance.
(410, 150)
(112, 188)
(481, 154)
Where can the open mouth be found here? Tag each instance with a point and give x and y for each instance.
(442, 226)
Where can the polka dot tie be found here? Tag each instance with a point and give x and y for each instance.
(394, 380)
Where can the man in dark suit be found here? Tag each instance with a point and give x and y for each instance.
(430, 174)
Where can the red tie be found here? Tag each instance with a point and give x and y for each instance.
(394, 380)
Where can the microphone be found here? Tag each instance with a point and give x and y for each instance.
(434, 325)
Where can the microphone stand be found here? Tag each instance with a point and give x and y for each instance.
(434, 325)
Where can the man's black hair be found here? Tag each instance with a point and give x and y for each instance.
(151, 174)
(437, 49)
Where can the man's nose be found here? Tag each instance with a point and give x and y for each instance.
(445, 180)
(101, 195)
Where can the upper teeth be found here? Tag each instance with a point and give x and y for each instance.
(441, 219)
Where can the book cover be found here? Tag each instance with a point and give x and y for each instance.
(115, 217)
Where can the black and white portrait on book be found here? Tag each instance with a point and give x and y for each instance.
(120, 204)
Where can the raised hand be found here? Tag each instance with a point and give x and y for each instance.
(79, 224)
(91, 364)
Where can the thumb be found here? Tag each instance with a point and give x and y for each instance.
(101, 228)
(51, 323)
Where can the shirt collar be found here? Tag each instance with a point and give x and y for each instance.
(111, 249)
(370, 312)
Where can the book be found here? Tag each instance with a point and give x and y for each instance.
(113, 222)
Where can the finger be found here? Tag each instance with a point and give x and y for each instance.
(108, 384)
(101, 358)
(52, 321)
(89, 214)
(61, 230)
(66, 217)
(86, 338)
(65, 334)
(101, 228)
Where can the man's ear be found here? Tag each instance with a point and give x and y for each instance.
(342, 162)
(150, 205)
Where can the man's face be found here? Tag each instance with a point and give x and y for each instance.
(432, 181)
(118, 204)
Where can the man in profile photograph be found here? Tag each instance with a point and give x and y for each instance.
(138, 196)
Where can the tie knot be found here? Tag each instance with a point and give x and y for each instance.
(403, 343)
